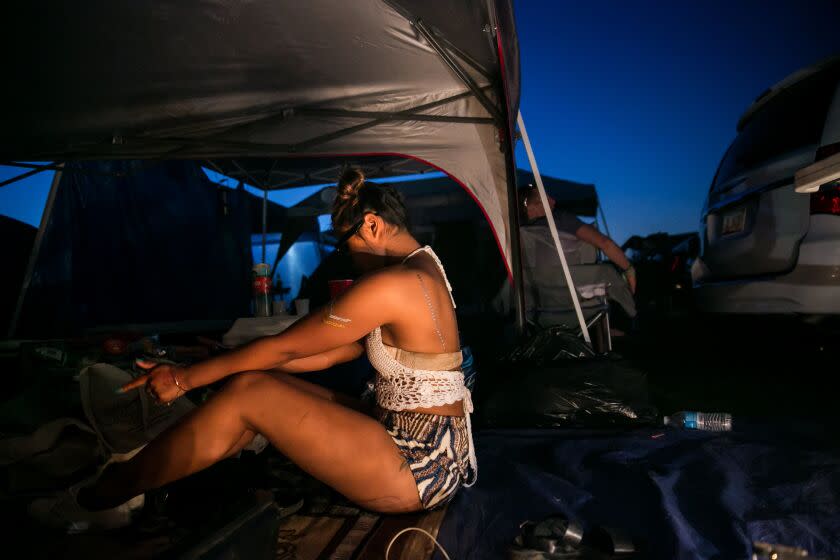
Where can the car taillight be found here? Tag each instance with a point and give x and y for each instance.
(827, 151)
(826, 201)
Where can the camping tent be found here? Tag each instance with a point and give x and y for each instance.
(333, 83)
(580, 199)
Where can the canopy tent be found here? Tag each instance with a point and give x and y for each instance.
(404, 79)
(578, 198)
(436, 83)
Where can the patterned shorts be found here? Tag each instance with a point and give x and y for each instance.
(436, 449)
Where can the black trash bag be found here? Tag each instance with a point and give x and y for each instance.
(547, 346)
(552, 380)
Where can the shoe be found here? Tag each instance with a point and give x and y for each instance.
(63, 512)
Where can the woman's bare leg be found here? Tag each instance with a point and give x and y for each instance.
(345, 449)
(243, 442)
(311, 388)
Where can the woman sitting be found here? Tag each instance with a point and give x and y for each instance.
(416, 450)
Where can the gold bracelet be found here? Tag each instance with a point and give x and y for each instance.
(175, 379)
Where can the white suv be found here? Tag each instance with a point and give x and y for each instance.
(765, 247)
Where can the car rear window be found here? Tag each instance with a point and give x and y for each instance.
(792, 120)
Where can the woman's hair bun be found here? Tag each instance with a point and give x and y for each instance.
(349, 184)
(354, 198)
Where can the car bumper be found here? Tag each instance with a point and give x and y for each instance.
(787, 294)
(812, 287)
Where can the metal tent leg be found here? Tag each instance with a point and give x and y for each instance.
(36, 248)
(553, 227)
(264, 221)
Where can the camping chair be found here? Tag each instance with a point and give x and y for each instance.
(547, 299)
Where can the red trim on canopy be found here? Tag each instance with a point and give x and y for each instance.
(442, 170)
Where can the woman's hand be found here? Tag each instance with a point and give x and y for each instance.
(163, 382)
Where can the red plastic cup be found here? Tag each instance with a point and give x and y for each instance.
(338, 287)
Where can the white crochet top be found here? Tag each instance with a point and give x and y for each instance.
(399, 387)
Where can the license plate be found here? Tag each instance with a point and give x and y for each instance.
(734, 222)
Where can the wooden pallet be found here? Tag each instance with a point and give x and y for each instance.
(347, 533)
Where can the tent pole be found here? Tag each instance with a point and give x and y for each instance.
(553, 227)
(306, 144)
(264, 202)
(420, 26)
(394, 116)
(56, 167)
(256, 183)
(36, 249)
(21, 177)
(264, 221)
(515, 243)
(604, 219)
(461, 54)
(292, 148)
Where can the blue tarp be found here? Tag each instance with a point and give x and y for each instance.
(684, 494)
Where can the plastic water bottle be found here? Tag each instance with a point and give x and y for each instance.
(707, 421)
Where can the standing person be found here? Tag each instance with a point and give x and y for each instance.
(412, 453)
(566, 222)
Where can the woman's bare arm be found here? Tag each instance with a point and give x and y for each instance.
(322, 361)
(371, 302)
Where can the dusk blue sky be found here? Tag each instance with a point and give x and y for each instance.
(640, 98)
